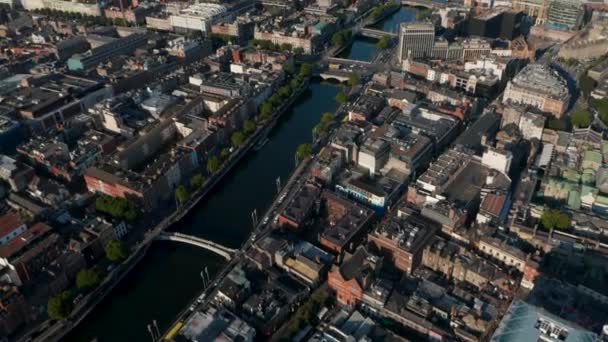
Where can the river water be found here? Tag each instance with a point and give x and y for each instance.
(364, 49)
(168, 277)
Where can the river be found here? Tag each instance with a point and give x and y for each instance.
(168, 277)
(364, 49)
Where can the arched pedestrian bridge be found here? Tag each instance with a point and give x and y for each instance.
(225, 252)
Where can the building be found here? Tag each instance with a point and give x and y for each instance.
(531, 126)
(403, 239)
(526, 322)
(11, 226)
(541, 87)
(497, 159)
(199, 17)
(565, 15)
(299, 208)
(216, 325)
(494, 23)
(15, 173)
(14, 310)
(355, 275)
(416, 40)
(533, 8)
(120, 46)
(82, 7)
(31, 251)
(373, 155)
(346, 222)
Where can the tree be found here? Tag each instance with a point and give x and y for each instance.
(555, 219)
(266, 110)
(213, 164)
(248, 127)
(327, 117)
(295, 83)
(383, 43)
(304, 151)
(342, 98)
(116, 251)
(556, 124)
(587, 84)
(238, 138)
(284, 91)
(298, 51)
(601, 105)
(87, 278)
(306, 70)
(224, 154)
(60, 306)
(117, 207)
(353, 80)
(181, 194)
(337, 39)
(286, 47)
(289, 68)
(581, 119)
(197, 181)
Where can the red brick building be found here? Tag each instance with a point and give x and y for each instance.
(404, 239)
(354, 276)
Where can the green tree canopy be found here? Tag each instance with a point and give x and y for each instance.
(116, 251)
(87, 278)
(298, 51)
(601, 105)
(581, 118)
(304, 151)
(556, 124)
(587, 84)
(284, 91)
(341, 98)
(213, 164)
(117, 207)
(238, 138)
(248, 127)
(182, 194)
(555, 219)
(289, 68)
(384, 43)
(306, 70)
(286, 47)
(60, 306)
(224, 154)
(266, 110)
(353, 80)
(197, 181)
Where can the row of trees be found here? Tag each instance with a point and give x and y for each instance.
(182, 194)
(555, 219)
(379, 10)
(60, 306)
(341, 38)
(89, 20)
(601, 105)
(384, 43)
(268, 45)
(120, 208)
(268, 108)
(323, 126)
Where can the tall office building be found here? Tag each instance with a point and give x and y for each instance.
(416, 40)
(565, 14)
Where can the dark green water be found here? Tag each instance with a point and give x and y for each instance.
(364, 49)
(168, 278)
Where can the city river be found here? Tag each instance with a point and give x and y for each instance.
(364, 49)
(168, 277)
